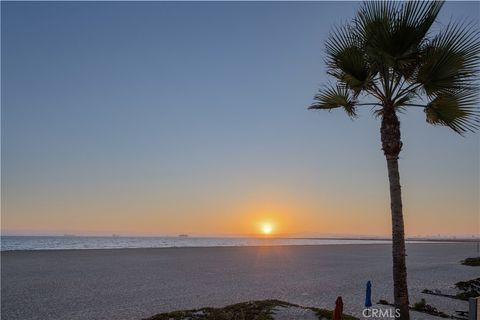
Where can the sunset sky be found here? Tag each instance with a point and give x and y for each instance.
(160, 118)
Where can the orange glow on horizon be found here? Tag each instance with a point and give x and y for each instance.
(289, 214)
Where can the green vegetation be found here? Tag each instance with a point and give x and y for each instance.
(326, 314)
(422, 306)
(473, 262)
(251, 310)
(255, 310)
(470, 289)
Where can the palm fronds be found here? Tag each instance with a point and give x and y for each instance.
(451, 60)
(346, 59)
(335, 97)
(455, 109)
(388, 52)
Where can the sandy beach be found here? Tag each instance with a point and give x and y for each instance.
(136, 283)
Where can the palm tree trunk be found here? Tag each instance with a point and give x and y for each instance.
(392, 145)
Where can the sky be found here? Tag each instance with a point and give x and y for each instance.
(160, 118)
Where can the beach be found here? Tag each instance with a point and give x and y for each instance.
(137, 283)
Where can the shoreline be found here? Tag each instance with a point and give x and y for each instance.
(258, 237)
(195, 247)
(339, 242)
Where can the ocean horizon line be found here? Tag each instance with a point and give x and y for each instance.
(255, 236)
(26, 243)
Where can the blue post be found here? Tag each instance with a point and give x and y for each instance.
(368, 295)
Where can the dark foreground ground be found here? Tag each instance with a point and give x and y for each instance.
(137, 283)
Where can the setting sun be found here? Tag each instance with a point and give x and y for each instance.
(267, 228)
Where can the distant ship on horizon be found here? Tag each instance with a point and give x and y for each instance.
(183, 235)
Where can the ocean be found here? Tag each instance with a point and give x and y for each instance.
(9, 243)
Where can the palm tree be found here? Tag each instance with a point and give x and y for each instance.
(387, 58)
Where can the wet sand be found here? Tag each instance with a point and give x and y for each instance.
(136, 283)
